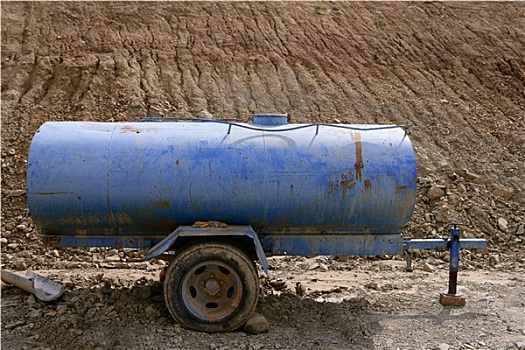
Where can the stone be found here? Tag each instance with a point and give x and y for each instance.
(113, 258)
(112, 252)
(468, 175)
(115, 295)
(520, 231)
(503, 224)
(25, 254)
(16, 193)
(494, 260)
(151, 311)
(205, 114)
(323, 267)
(20, 265)
(427, 267)
(462, 188)
(142, 292)
(435, 192)
(35, 313)
(61, 309)
(372, 285)
(503, 192)
(257, 324)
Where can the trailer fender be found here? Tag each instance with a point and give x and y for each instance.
(210, 232)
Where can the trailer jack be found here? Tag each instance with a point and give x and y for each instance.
(451, 296)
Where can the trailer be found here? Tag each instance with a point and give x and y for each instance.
(214, 197)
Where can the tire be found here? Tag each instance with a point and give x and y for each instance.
(211, 287)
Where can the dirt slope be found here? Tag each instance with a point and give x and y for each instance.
(453, 72)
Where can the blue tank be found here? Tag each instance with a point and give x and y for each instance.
(147, 178)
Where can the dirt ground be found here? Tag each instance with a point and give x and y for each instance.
(453, 73)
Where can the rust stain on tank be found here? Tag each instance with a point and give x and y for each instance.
(368, 184)
(334, 186)
(163, 204)
(359, 165)
(177, 162)
(347, 182)
(129, 128)
(400, 189)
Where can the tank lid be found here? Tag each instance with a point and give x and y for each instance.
(270, 119)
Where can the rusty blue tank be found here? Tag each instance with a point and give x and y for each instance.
(138, 181)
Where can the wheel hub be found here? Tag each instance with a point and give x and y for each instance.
(212, 290)
(212, 286)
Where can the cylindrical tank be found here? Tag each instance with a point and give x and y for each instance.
(150, 177)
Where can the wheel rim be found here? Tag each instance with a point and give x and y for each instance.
(211, 290)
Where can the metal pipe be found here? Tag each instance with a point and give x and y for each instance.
(454, 260)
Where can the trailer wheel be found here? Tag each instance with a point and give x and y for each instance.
(211, 287)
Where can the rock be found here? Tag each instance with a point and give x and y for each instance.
(25, 254)
(61, 309)
(468, 175)
(12, 245)
(205, 114)
(427, 267)
(22, 227)
(300, 290)
(520, 231)
(112, 252)
(323, 267)
(503, 224)
(15, 193)
(503, 192)
(494, 260)
(443, 214)
(31, 299)
(520, 345)
(443, 346)
(112, 314)
(435, 192)
(142, 292)
(257, 324)
(20, 265)
(3, 240)
(115, 295)
(278, 284)
(113, 258)
(151, 311)
(35, 313)
(372, 285)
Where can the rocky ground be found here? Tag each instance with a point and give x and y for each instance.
(453, 73)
